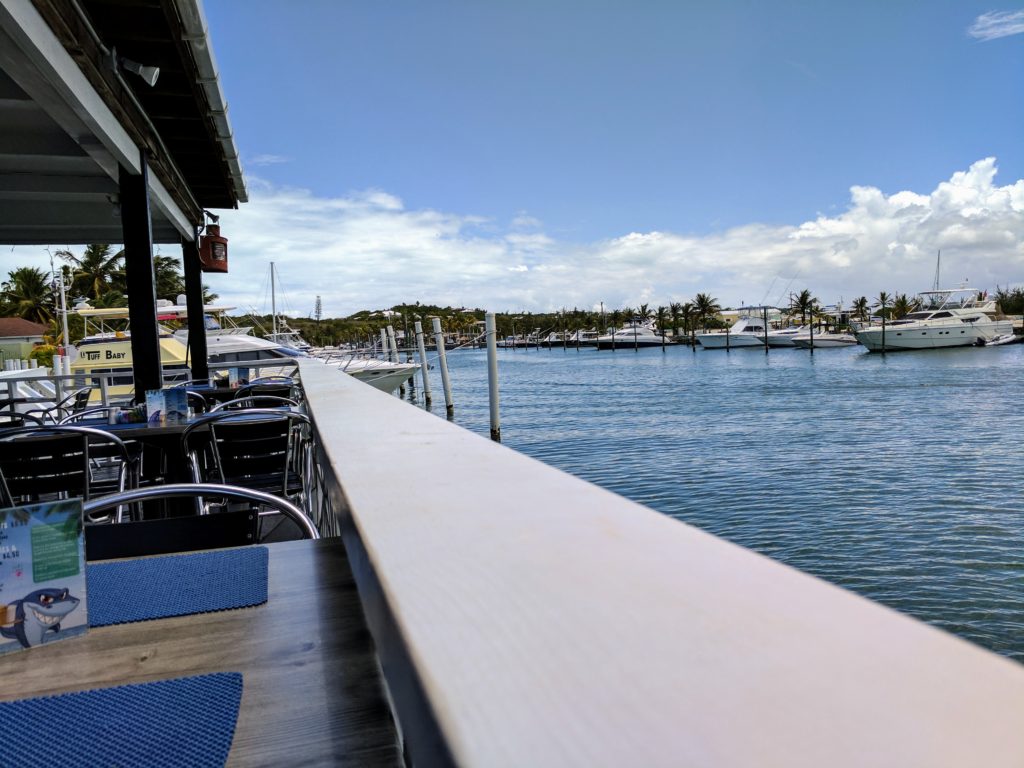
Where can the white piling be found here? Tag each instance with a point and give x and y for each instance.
(392, 345)
(385, 353)
(33, 363)
(423, 361)
(442, 362)
(492, 375)
(66, 360)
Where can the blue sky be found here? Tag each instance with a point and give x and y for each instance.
(533, 155)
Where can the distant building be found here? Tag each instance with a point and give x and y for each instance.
(19, 336)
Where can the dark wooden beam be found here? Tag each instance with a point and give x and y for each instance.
(140, 281)
(194, 300)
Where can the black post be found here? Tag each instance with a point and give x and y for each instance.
(764, 313)
(812, 334)
(883, 330)
(140, 280)
(194, 301)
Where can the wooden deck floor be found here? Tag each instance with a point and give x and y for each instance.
(312, 690)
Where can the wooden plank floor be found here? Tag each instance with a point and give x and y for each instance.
(312, 692)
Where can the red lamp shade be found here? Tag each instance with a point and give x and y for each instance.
(213, 250)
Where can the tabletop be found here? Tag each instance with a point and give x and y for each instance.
(312, 693)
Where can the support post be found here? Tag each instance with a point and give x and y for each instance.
(418, 326)
(392, 345)
(492, 376)
(442, 361)
(764, 314)
(198, 355)
(140, 280)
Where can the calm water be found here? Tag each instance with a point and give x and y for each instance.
(898, 477)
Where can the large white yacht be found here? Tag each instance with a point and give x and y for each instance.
(745, 332)
(959, 317)
(784, 337)
(631, 337)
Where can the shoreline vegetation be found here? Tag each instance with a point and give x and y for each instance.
(98, 277)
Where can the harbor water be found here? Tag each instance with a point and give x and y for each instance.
(898, 477)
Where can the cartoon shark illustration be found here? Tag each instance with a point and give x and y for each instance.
(39, 612)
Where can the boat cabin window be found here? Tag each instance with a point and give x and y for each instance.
(937, 315)
(753, 329)
(919, 315)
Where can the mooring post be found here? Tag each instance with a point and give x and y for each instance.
(423, 361)
(385, 353)
(492, 375)
(764, 311)
(442, 361)
(812, 335)
(392, 345)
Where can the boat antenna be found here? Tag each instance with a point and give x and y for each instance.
(938, 265)
(765, 297)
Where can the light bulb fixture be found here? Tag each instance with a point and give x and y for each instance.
(148, 74)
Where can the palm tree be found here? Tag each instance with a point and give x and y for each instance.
(643, 314)
(705, 306)
(660, 319)
(675, 311)
(688, 313)
(96, 271)
(902, 305)
(167, 274)
(861, 307)
(883, 302)
(27, 293)
(803, 303)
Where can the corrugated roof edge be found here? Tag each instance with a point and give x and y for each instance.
(196, 31)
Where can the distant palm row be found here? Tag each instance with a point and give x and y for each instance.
(97, 276)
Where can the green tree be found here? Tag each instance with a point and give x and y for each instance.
(884, 299)
(705, 306)
(27, 294)
(861, 307)
(803, 302)
(96, 271)
(903, 305)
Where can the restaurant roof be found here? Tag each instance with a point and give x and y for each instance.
(69, 118)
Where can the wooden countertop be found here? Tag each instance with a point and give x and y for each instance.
(312, 693)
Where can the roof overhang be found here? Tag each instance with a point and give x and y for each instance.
(69, 120)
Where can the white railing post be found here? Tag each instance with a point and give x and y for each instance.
(442, 362)
(422, 352)
(492, 375)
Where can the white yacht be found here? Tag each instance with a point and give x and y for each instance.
(825, 340)
(959, 317)
(745, 332)
(631, 337)
(784, 337)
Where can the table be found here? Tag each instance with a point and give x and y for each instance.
(312, 693)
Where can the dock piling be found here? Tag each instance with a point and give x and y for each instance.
(442, 361)
(422, 352)
(492, 375)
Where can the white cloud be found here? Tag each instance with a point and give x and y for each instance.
(366, 250)
(259, 160)
(995, 24)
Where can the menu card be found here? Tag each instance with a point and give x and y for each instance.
(42, 574)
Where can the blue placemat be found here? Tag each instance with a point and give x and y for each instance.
(188, 721)
(176, 585)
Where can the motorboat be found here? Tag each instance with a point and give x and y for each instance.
(631, 336)
(745, 332)
(783, 337)
(824, 340)
(959, 317)
(1004, 339)
(380, 374)
(583, 338)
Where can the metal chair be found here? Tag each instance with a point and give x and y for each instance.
(264, 449)
(255, 401)
(72, 403)
(276, 386)
(237, 524)
(58, 462)
(17, 419)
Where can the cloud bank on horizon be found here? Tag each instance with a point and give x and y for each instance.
(368, 251)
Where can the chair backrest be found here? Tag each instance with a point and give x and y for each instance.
(197, 402)
(255, 446)
(255, 401)
(265, 387)
(37, 463)
(153, 537)
(17, 419)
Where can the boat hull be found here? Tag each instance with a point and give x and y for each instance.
(899, 338)
(826, 341)
(730, 340)
(626, 342)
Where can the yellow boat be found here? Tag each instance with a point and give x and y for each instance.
(109, 352)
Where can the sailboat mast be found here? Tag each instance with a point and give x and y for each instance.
(273, 304)
(938, 264)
